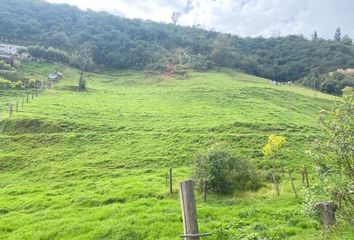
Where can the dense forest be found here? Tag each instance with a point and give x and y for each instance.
(120, 43)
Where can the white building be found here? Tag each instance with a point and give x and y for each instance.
(9, 48)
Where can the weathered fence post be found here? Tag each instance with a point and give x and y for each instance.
(292, 185)
(171, 190)
(10, 110)
(189, 210)
(302, 175)
(16, 106)
(326, 212)
(27, 97)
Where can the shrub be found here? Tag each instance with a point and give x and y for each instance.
(200, 62)
(50, 54)
(334, 154)
(5, 83)
(32, 83)
(5, 66)
(12, 76)
(17, 84)
(224, 171)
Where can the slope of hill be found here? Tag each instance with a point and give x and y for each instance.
(125, 44)
(91, 165)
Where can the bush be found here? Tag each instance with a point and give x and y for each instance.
(200, 62)
(50, 54)
(12, 76)
(17, 84)
(224, 171)
(5, 66)
(5, 83)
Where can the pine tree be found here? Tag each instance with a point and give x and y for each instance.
(338, 35)
(314, 36)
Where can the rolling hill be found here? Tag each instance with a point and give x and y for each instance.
(91, 165)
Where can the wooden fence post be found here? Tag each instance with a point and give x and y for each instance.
(171, 190)
(302, 175)
(326, 212)
(27, 97)
(189, 210)
(16, 106)
(292, 185)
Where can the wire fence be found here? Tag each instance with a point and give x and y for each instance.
(13, 101)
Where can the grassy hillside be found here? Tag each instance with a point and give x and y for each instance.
(91, 165)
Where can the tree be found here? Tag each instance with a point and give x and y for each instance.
(175, 17)
(334, 154)
(83, 60)
(314, 36)
(223, 171)
(338, 35)
(271, 152)
(222, 52)
(347, 40)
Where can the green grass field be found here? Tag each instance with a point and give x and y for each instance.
(91, 165)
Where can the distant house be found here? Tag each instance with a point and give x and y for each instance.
(9, 54)
(9, 49)
(55, 76)
(8, 58)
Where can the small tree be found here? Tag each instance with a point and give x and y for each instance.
(83, 60)
(224, 171)
(175, 17)
(222, 53)
(314, 36)
(338, 35)
(334, 154)
(271, 152)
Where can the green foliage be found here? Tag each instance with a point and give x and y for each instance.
(5, 83)
(200, 62)
(334, 154)
(271, 152)
(50, 54)
(332, 83)
(221, 54)
(94, 164)
(21, 50)
(5, 66)
(338, 35)
(18, 84)
(134, 44)
(347, 40)
(223, 171)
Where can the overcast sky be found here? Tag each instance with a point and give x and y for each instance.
(242, 17)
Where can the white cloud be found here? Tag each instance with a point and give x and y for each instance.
(241, 17)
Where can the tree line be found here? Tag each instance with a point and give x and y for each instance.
(116, 42)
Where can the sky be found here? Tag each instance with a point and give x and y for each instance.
(267, 18)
